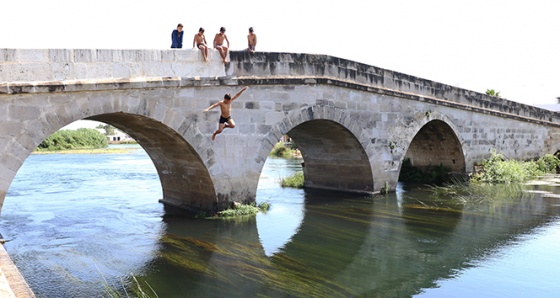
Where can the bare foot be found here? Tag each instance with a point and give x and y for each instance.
(213, 136)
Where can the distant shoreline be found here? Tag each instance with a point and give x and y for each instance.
(89, 151)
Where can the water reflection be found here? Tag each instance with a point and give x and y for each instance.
(346, 246)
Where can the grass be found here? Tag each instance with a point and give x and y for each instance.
(244, 210)
(294, 181)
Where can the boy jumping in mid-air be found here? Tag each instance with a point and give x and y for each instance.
(225, 117)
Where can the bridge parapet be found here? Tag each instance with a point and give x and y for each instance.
(47, 65)
(272, 66)
(21, 68)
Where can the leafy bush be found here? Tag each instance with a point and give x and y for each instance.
(83, 138)
(280, 150)
(548, 163)
(497, 169)
(294, 181)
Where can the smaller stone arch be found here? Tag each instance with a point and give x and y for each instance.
(334, 156)
(435, 142)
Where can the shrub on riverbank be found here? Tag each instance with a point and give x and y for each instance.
(285, 151)
(497, 169)
(83, 138)
(294, 181)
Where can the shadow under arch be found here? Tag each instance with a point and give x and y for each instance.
(435, 144)
(185, 180)
(333, 157)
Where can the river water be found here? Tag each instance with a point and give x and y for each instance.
(76, 223)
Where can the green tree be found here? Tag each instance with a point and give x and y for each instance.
(83, 138)
(492, 92)
(109, 130)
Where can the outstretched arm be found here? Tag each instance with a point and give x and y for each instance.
(239, 93)
(212, 106)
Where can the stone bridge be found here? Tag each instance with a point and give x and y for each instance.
(354, 123)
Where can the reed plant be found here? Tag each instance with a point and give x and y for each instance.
(133, 288)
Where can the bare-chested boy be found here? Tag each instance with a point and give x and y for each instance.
(219, 43)
(200, 42)
(251, 41)
(225, 117)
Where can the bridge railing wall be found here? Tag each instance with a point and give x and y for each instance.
(293, 65)
(26, 66)
(47, 65)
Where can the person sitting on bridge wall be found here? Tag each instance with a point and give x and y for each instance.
(225, 117)
(219, 43)
(177, 37)
(251, 41)
(200, 41)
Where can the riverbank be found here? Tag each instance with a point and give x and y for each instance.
(112, 149)
(89, 151)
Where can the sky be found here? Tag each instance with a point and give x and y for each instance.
(510, 46)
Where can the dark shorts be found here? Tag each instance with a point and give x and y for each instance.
(224, 120)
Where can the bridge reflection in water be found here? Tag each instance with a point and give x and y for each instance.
(389, 246)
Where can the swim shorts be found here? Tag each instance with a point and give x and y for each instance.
(224, 120)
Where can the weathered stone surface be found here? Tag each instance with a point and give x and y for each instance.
(354, 123)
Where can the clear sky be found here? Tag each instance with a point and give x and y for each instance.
(511, 46)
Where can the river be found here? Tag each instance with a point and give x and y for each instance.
(76, 223)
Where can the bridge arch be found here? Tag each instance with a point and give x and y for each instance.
(329, 140)
(185, 180)
(179, 151)
(436, 141)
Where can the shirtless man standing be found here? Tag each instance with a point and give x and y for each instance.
(251, 41)
(219, 43)
(200, 42)
(225, 117)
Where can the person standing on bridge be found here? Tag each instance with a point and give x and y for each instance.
(219, 43)
(200, 42)
(251, 41)
(177, 37)
(225, 117)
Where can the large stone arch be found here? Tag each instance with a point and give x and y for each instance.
(434, 141)
(185, 180)
(172, 139)
(329, 140)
